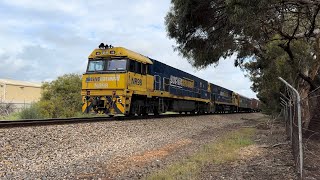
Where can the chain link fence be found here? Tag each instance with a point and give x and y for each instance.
(291, 103)
(305, 147)
(7, 108)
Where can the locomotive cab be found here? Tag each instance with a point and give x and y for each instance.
(112, 75)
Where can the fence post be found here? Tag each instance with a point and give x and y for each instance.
(285, 102)
(286, 108)
(287, 120)
(283, 108)
(290, 113)
(299, 123)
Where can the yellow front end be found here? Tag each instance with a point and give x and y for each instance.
(105, 93)
(113, 75)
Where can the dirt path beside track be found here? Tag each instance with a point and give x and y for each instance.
(269, 157)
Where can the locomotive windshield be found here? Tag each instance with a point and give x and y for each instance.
(107, 65)
(114, 65)
(96, 65)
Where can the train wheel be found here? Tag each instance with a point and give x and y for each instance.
(143, 111)
(156, 111)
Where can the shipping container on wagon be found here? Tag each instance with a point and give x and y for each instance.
(220, 95)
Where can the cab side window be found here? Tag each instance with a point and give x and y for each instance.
(138, 68)
(143, 69)
(132, 66)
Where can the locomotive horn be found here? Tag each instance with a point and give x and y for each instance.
(101, 46)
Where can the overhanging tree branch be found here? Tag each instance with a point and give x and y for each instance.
(309, 80)
(313, 21)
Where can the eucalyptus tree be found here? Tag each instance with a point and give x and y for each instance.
(269, 37)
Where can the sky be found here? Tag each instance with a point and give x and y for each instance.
(41, 40)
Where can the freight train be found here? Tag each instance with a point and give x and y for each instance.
(120, 81)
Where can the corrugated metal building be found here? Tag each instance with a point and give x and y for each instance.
(19, 92)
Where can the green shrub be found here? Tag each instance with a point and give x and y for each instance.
(61, 98)
(46, 109)
(12, 116)
(31, 112)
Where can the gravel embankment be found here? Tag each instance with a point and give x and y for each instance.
(100, 150)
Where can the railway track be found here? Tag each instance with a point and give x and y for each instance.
(58, 121)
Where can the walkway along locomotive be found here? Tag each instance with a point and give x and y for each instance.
(120, 81)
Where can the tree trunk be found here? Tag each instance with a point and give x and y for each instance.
(305, 110)
(314, 125)
(311, 102)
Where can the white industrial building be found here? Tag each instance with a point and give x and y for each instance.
(19, 93)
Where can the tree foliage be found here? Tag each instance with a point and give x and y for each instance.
(271, 38)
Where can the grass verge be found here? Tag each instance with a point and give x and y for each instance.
(12, 116)
(224, 150)
(31, 113)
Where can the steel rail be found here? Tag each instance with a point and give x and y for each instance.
(60, 121)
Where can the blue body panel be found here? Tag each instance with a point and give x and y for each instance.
(178, 82)
(220, 94)
(244, 102)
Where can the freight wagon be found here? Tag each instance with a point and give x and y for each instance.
(244, 104)
(255, 105)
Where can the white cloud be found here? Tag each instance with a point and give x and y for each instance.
(72, 7)
(44, 39)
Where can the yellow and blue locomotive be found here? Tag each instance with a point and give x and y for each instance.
(120, 81)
